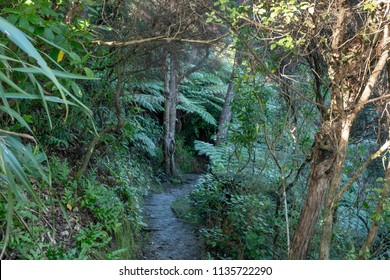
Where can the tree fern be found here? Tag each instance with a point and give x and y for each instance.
(202, 77)
(151, 102)
(218, 155)
(192, 106)
(148, 94)
(153, 87)
(147, 144)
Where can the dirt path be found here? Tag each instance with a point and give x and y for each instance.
(170, 237)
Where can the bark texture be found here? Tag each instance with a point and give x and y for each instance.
(226, 113)
(354, 65)
(170, 112)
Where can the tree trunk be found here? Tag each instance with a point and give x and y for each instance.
(351, 89)
(108, 129)
(226, 113)
(330, 204)
(172, 80)
(323, 161)
(171, 99)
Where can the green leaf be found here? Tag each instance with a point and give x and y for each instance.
(57, 73)
(54, 99)
(18, 117)
(23, 42)
(25, 24)
(48, 33)
(76, 89)
(89, 72)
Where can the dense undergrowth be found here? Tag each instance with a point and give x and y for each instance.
(96, 217)
(84, 135)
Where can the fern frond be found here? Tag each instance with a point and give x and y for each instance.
(143, 140)
(153, 87)
(205, 78)
(151, 102)
(191, 106)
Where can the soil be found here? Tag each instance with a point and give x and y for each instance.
(170, 237)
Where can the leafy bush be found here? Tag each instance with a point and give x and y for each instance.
(21, 164)
(237, 224)
(92, 240)
(104, 204)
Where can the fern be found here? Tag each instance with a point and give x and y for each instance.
(191, 106)
(231, 160)
(218, 155)
(154, 87)
(151, 102)
(143, 140)
(205, 78)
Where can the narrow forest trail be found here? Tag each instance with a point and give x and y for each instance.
(171, 238)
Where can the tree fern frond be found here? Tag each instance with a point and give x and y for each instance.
(151, 102)
(143, 140)
(218, 155)
(153, 87)
(190, 106)
(205, 78)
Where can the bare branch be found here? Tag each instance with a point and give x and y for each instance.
(377, 70)
(379, 152)
(157, 39)
(22, 135)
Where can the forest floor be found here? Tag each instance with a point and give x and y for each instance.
(171, 238)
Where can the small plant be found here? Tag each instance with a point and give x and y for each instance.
(92, 240)
(104, 204)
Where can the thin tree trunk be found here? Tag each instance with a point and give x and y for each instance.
(172, 80)
(376, 223)
(226, 113)
(171, 99)
(330, 204)
(174, 94)
(109, 129)
(166, 112)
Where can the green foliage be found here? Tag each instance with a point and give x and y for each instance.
(218, 155)
(104, 204)
(98, 208)
(19, 164)
(185, 157)
(149, 94)
(236, 225)
(253, 224)
(91, 241)
(143, 134)
(191, 106)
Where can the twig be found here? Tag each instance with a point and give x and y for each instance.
(22, 135)
(156, 39)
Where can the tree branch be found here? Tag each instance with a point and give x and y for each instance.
(22, 135)
(157, 39)
(377, 70)
(380, 151)
(108, 129)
